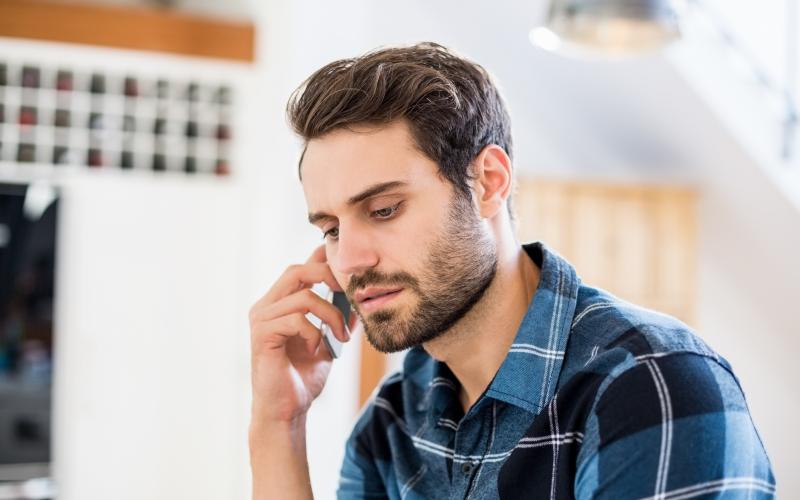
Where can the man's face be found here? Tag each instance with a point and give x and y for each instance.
(411, 253)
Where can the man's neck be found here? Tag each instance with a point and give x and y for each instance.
(476, 346)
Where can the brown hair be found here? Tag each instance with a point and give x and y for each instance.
(451, 105)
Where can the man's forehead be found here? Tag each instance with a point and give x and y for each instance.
(364, 146)
(334, 182)
(334, 171)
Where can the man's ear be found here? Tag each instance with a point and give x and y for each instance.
(492, 179)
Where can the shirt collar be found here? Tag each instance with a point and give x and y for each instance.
(529, 374)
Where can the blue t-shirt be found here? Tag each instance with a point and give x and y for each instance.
(596, 398)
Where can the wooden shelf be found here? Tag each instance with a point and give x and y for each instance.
(136, 28)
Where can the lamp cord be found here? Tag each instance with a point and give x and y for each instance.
(786, 91)
(790, 120)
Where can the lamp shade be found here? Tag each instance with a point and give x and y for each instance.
(608, 27)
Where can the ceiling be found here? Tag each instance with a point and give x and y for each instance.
(623, 119)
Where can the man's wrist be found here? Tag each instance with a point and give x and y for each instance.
(278, 459)
(267, 433)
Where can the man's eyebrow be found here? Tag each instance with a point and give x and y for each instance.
(371, 191)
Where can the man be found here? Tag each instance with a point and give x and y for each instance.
(520, 381)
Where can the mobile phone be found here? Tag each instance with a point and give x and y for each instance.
(338, 299)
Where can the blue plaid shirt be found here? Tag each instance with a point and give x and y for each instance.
(597, 398)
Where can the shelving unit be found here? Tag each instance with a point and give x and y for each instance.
(166, 102)
(74, 117)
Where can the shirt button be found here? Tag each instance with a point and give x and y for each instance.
(466, 468)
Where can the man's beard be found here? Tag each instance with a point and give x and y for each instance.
(459, 267)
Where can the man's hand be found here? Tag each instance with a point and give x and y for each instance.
(289, 364)
(289, 369)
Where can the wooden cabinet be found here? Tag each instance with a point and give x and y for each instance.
(638, 242)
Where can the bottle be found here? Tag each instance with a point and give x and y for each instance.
(222, 167)
(223, 95)
(60, 155)
(223, 132)
(126, 160)
(30, 77)
(192, 129)
(131, 87)
(193, 92)
(190, 165)
(159, 162)
(95, 158)
(95, 121)
(27, 116)
(162, 89)
(64, 80)
(160, 126)
(62, 118)
(26, 153)
(97, 85)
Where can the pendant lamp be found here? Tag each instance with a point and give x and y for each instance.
(608, 27)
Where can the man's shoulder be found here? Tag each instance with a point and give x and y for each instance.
(610, 336)
(603, 322)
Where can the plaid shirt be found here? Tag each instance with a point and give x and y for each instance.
(597, 398)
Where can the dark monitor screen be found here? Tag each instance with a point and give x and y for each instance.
(27, 264)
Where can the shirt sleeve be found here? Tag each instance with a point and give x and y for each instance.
(673, 427)
(360, 477)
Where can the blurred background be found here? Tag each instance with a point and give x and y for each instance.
(149, 195)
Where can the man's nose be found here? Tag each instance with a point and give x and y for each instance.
(356, 250)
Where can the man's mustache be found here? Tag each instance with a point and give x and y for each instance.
(377, 279)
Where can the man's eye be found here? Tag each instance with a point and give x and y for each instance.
(382, 213)
(333, 233)
(385, 213)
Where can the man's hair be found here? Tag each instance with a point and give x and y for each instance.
(451, 104)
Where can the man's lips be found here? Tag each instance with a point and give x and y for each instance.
(374, 293)
(379, 301)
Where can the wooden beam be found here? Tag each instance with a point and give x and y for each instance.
(137, 28)
(372, 370)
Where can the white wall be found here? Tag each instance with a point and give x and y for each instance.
(749, 244)
(147, 292)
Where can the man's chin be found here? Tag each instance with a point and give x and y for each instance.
(395, 341)
(386, 348)
(388, 342)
